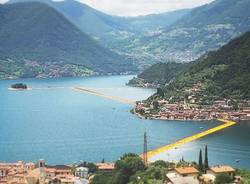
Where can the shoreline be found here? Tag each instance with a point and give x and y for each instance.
(168, 119)
(19, 89)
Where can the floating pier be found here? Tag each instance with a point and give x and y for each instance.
(155, 152)
(97, 93)
(158, 151)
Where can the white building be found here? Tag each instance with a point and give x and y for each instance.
(82, 172)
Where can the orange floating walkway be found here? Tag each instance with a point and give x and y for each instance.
(160, 150)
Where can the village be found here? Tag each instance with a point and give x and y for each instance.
(41, 173)
(34, 173)
(194, 105)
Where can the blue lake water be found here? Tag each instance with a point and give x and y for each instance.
(65, 126)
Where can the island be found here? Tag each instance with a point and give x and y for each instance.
(19, 86)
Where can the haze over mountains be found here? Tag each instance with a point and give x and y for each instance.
(205, 28)
(114, 32)
(182, 35)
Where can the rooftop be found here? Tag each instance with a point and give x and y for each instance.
(186, 170)
(105, 166)
(222, 169)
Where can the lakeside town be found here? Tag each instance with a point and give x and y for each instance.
(84, 173)
(33, 173)
(196, 105)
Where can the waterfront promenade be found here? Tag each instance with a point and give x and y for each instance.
(161, 150)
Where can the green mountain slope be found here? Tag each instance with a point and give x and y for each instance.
(219, 74)
(119, 34)
(158, 74)
(203, 29)
(36, 32)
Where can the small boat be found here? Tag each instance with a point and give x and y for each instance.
(237, 160)
(201, 127)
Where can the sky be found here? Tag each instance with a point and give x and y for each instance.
(140, 7)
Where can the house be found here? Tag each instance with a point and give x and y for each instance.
(105, 167)
(187, 171)
(82, 172)
(33, 177)
(221, 170)
(4, 171)
(183, 175)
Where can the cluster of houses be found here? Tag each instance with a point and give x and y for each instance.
(167, 111)
(190, 175)
(40, 173)
(196, 105)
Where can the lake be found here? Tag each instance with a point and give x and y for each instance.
(62, 126)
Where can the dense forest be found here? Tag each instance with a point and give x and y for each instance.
(223, 73)
(159, 74)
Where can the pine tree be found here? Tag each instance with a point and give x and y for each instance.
(103, 161)
(206, 166)
(200, 161)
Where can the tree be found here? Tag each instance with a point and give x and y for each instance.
(200, 161)
(92, 167)
(103, 161)
(127, 166)
(160, 92)
(206, 166)
(103, 179)
(155, 105)
(223, 179)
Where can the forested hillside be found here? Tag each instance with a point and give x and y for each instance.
(158, 75)
(219, 74)
(33, 33)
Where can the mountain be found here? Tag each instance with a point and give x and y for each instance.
(35, 32)
(97, 23)
(203, 29)
(182, 35)
(216, 75)
(119, 34)
(158, 75)
(156, 21)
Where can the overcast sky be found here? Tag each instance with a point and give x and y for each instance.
(140, 7)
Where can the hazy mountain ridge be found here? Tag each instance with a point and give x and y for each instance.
(182, 35)
(205, 28)
(47, 37)
(120, 34)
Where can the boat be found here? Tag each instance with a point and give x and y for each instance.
(237, 160)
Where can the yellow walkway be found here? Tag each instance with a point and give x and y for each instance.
(226, 124)
(96, 93)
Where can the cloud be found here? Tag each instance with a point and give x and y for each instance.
(140, 7)
(3, 1)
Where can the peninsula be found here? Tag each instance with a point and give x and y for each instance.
(215, 86)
